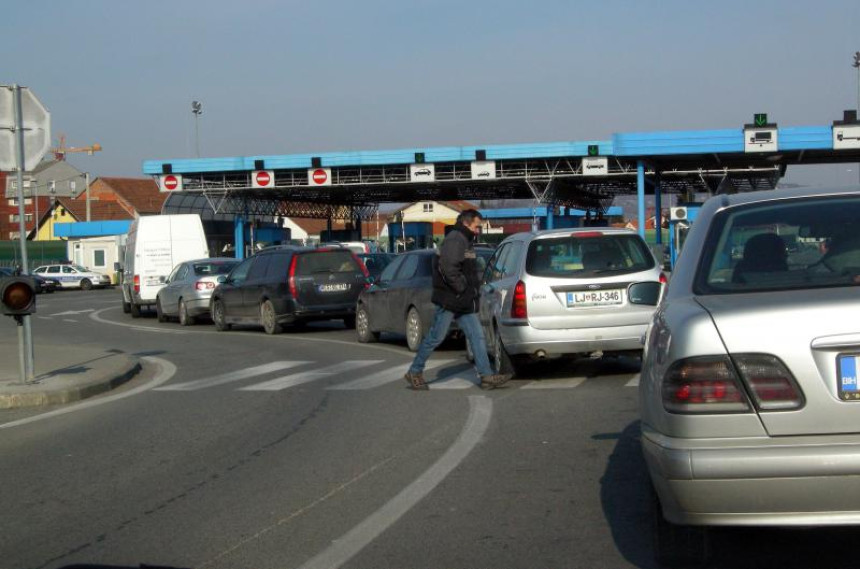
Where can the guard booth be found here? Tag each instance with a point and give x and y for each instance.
(681, 218)
(410, 236)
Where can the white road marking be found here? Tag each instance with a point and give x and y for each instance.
(232, 376)
(69, 320)
(343, 549)
(166, 371)
(67, 312)
(43, 317)
(566, 383)
(308, 376)
(458, 380)
(633, 382)
(378, 379)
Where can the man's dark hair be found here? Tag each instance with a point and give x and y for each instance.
(467, 216)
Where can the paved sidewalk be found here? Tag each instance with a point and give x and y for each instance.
(63, 374)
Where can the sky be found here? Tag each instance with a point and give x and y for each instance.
(280, 77)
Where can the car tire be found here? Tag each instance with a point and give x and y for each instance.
(185, 319)
(219, 316)
(501, 361)
(126, 306)
(414, 329)
(86, 284)
(268, 318)
(362, 326)
(134, 309)
(159, 311)
(677, 546)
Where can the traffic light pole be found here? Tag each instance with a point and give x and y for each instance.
(25, 332)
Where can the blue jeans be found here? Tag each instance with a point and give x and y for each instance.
(470, 326)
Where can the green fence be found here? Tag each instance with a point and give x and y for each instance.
(38, 253)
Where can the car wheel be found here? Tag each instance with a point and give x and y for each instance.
(362, 326)
(159, 311)
(219, 317)
(267, 318)
(414, 329)
(185, 319)
(677, 545)
(86, 284)
(135, 310)
(502, 362)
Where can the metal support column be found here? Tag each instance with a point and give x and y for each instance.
(239, 236)
(549, 216)
(640, 193)
(658, 209)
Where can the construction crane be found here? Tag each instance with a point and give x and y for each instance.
(61, 150)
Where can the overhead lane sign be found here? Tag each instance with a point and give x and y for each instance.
(263, 179)
(484, 170)
(846, 133)
(319, 177)
(422, 172)
(595, 166)
(761, 136)
(170, 183)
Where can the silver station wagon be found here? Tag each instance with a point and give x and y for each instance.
(748, 394)
(589, 291)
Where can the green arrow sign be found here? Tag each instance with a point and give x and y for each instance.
(760, 119)
(593, 150)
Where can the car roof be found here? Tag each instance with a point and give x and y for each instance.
(783, 193)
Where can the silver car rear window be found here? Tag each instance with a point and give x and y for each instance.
(214, 268)
(588, 254)
(803, 243)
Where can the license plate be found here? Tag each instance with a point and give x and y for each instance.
(847, 366)
(592, 298)
(342, 287)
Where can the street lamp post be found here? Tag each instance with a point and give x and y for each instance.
(197, 109)
(856, 65)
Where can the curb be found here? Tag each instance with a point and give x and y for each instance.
(67, 395)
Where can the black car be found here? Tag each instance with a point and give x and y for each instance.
(42, 284)
(289, 285)
(376, 262)
(399, 300)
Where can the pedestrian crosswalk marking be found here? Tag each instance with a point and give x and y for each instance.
(566, 383)
(293, 380)
(380, 378)
(233, 376)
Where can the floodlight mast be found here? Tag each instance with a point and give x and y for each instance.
(197, 109)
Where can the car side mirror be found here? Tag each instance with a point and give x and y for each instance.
(162, 279)
(644, 293)
(221, 279)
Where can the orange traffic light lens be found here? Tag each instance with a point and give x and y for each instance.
(18, 296)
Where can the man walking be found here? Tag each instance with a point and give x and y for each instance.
(456, 287)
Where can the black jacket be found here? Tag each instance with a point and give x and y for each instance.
(456, 282)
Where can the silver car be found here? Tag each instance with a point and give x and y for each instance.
(749, 394)
(187, 290)
(568, 291)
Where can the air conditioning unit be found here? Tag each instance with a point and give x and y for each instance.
(678, 213)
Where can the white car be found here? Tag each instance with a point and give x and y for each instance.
(73, 276)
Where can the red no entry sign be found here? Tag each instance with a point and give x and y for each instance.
(171, 183)
(320, 176)
(263, 178)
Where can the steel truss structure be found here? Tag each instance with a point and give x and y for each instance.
(356, 191)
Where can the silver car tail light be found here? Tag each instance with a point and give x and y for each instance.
(519, 307)
(204, 285)
(772, 386)
(705, 384)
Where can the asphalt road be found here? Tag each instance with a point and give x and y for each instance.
(306, 450)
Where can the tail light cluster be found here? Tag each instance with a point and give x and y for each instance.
(292, 277)
(204, 285)
(519, 308)
(137, 283)
(720, 384)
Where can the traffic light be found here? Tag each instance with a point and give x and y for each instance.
(17, 296)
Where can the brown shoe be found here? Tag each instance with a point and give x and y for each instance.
(495, 380)
(416, 381)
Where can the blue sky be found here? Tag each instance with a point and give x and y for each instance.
(278, 77)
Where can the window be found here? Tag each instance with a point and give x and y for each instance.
(428, 207)
(258, 269)
(389, 271)
(587, 254)
(68, 270)
(54, 269)
(240, 273)
(172, 276)
(327, 262)
(796, 244)
(99, 258)
(409, 268)
(14, 201)
(213, 268)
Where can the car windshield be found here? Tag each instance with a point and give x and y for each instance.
(789, 244)
(338, 261)
(80, 269)
(214, 268)
(588, 254)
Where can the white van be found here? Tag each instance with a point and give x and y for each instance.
(154, 246)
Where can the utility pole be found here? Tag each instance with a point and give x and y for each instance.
(197, 109)
(856, 65)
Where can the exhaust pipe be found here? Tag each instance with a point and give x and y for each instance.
(540, 354)
(596, 355)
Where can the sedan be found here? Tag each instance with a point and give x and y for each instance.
(399, 300)
(186, 293)
(749, 396)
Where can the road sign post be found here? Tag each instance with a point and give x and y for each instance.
(23, 115)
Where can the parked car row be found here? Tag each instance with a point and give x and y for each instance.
(43, 285)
